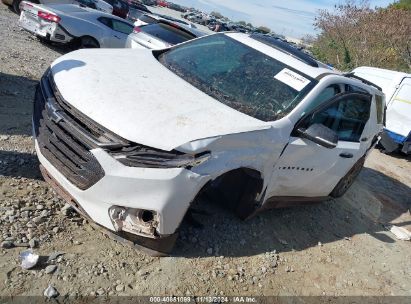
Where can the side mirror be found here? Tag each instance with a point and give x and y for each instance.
(321, 135)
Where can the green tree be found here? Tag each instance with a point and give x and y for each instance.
(354, 35)
(402, 4)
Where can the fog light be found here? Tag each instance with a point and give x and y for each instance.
(137, 221)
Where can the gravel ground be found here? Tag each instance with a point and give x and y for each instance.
(341, 247)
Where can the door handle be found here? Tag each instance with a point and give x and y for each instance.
(346, 155)
(117, 36)
(364, 139)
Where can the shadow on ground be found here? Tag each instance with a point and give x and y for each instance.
(299, 228)
(16, 103)
(18, 164)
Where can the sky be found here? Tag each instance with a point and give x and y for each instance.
(292, 18)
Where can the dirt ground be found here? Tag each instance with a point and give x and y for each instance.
(340, 247)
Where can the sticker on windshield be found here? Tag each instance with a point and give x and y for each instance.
(294, 80)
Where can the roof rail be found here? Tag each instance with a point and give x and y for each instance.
(285, 48)
(352, 75)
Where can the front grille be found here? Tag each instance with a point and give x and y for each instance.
(65, 136)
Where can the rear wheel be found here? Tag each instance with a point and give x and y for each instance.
(16, 6)
(346, 182)
(87, 42)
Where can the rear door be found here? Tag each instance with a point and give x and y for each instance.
(399, 109)
(116, 32)
(306, 169)
(120, 32)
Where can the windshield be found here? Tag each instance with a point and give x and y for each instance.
(239, 76)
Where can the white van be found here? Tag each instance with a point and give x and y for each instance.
(397, 89)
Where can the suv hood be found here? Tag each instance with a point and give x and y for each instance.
(133, 95)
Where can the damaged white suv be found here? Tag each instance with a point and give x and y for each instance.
(252, 122)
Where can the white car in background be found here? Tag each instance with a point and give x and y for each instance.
(146, 18)
(397, 89)
(240, 118)
(161, 34)
(96, 4)
(81, 26)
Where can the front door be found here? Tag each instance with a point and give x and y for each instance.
(306, 169)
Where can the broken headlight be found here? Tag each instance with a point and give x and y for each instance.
(141, 156)
(137, 221)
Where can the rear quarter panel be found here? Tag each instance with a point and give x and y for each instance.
(79, 27)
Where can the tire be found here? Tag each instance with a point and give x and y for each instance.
(43, 40)
(16, 6)
(346, 182)
(87, 42)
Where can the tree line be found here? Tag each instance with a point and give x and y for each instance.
(353, 34)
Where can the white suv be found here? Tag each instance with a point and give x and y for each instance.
(245, 119)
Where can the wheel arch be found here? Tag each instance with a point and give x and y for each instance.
(77, 40)
(236, 189)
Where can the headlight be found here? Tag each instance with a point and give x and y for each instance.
(141, 156)
(137, 221)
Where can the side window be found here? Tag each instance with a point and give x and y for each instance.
(347, 117)
(354, 89)
(105, 21)
(121, 27)
(325, 95)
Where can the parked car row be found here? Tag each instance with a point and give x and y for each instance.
(80, 26)
(119, 8)
(216, 24)
(95, 4)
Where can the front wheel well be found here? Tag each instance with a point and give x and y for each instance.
(237, 190)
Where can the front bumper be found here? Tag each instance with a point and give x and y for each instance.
(155, 247)
(168, 192)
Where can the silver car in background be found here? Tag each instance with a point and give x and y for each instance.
(72, 24)
(96, 4)
(146, 18)
(161, 34)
